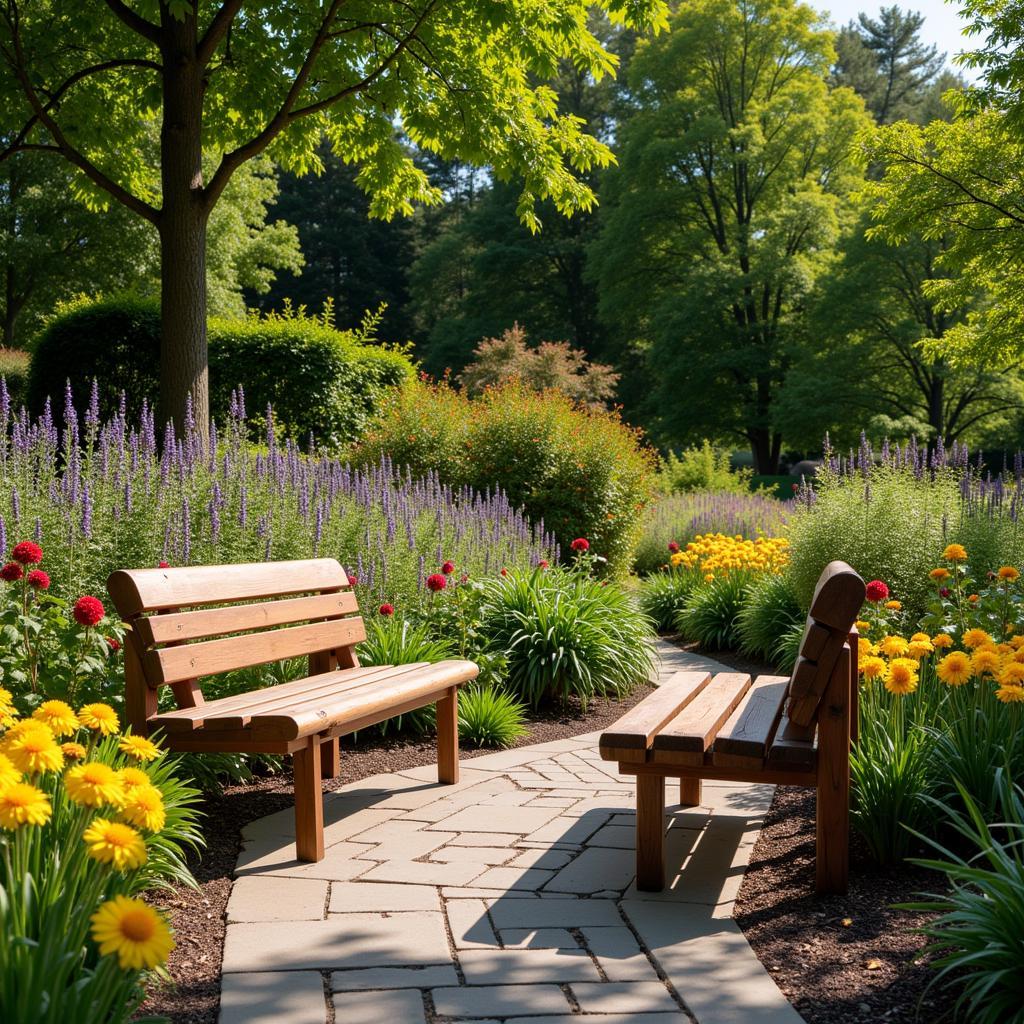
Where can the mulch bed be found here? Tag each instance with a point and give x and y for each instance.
(198, 916)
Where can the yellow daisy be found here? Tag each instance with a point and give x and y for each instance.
(113, 842)
(901, 678)
(872, 667)
(22, 804)
(918, 649)
(941, 640)
(920, 636)
(1010, 694)
(1012, 674)
(894, 606)
(138, 748)
(145, 808)
(939, 575)
(101, 718)
(954, 669)
(34, 750)
(73, 751)
(976, 638)
(58, 716)
(985, 662)
(955, 553)
(132, 777)
(1008, 573)
(8, 773)
(134, 931)
(893, 646)
(94, 784)
(862, 626)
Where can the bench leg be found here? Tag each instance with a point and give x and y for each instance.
(330, 758)
(650, 833)
(448, 737)
(833, 810)
(689, 792)
(309, 802)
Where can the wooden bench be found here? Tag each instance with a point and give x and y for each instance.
(788, 731)
(187, 623)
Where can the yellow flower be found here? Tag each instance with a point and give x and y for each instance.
(73, 751)
(872, 667)
(985, 662)
(8, 773)
(918, 649)
(58, 716)
(134, 931)
(101, 718)
(862, 626)
(976, 638)
(112, 842)
(865, 648)
(921, 636)
(942, 640)
(22, 804)
(1010, 694)
(973, 598)
(8, 716)
(901, 677)
(139, 748)
(1008, 573)
(1011, 675)
(33, 749)
(708, 577)
(1016, 642)
(939, 575)
(145, 808)
(893, 605)
(893, 646)
(955, 553)
(954, 669)
(94, 784)
(6, 698)
(132, 777)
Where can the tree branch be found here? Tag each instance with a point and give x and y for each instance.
(217, 30)
(135, 22)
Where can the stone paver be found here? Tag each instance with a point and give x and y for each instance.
(507, 896)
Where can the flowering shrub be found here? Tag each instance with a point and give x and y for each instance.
(89, 819)
(51, 649)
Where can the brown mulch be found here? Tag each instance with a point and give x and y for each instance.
(198, 916)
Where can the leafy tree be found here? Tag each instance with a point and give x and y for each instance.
(552, 364)
(886, 62)
(733, 185)
(234, 80)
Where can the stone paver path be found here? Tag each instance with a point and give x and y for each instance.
(509, 896)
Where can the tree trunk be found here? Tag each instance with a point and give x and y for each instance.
(766, 447)
(937, 404)
(12, 307)
(184, 372)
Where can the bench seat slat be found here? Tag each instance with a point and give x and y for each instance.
(208, 622)
(794, 746)
(635, 730)
(743, 740)
(687, 736)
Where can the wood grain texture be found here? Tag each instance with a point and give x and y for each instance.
(793, 746)
(135, 591)
(749, 729)
(650, 833)
(448, 737)
(309, 802)
(637, 727)
(833, 809)
(689, 792)
(693, 730)
(838, 597)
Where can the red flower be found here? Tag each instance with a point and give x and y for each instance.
(580, 544)
(11, 572)
(504, 571)
(944, 592)
(436, 582)
(114, 644)
(39, 579)
(164, 565)
(543, 563)
(448, 568)
(673, 546)
(876, 591)
(386, 610)
(353, 579)
(88, 611)
(27, 552)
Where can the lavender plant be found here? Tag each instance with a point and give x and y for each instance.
(101, 495)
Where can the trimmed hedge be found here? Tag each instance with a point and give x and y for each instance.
(14, 365)
(320, 381)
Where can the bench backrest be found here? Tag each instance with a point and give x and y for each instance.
(198, 621)
(838, 598)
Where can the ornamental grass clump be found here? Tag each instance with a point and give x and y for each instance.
(90, 818)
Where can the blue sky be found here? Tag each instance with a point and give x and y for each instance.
(942, 24)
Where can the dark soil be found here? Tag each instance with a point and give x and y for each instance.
(198, 916)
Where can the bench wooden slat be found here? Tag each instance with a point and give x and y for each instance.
(690, 733)
(209, 622)
(135, 591)
(189, 719)
(793, 746)
(743, 740)
(814, 641)
(307, 718)
(635, 730)
(208, 657)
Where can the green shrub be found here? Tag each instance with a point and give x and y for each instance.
(663, 596)
(490, 717)
(320, 381)
(681, 517)
(582, 471)
(565, 634)
(703, 468)
(14, 369)
(977, 940)
(769, 611)
(711, 614)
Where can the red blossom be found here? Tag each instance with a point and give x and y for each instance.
(436, 582)
(113, 643)
(944, 592)
(504, 571)
(580, 544)
(543, 563)
(88, 611)
(386, 610)
(11, 572)
(353, 579)
(876, 591)
(673, 546)
(448, 568)
(164, 565)
(39, 579)
(27, 552)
